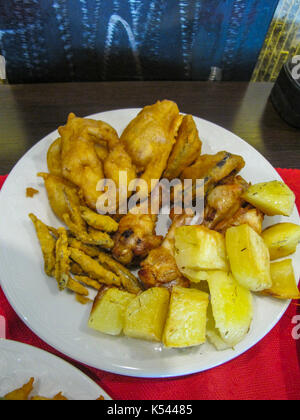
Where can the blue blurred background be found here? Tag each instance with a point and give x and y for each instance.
(91, 40)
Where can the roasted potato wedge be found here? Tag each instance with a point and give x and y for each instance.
(272, 198)
(108, 312)
(232, 307)
(186, 321)
(281, 239)
(284, 284)
(249, 258)
(146, 315)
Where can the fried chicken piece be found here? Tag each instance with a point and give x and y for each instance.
(135, 238)
(224, 200)
(160, 268)
(212, 169)
(245, 215)
(186, 150)
(149, 140)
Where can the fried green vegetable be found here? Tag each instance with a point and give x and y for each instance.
(92, 238)
(77, 287)
(128, 280)
(98, 221)
(48, 244)
(62, 264)
(93, 269)
(56, 189)
(89, 282)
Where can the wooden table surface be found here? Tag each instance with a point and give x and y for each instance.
(30, 112)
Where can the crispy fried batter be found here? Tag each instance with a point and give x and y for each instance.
(54, 158)
(31, 192)
(48, 244)
(186, 150)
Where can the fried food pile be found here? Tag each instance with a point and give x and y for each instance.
(197, 282)
(23, 394)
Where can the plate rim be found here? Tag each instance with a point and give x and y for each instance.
(125, 370)
(50, 356)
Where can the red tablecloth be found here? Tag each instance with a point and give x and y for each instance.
(270, 370)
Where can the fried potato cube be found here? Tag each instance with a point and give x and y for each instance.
(108, 312)
(232, 307)
(249, 258)
(272, 198)
(199, 248)
(21, 394)
(186, 321)
(281, 239)
(146, 315)
(284, 282)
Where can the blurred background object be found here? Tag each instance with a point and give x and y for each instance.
(282, 42)
(285, 94)
(94, 40)
(2, 69)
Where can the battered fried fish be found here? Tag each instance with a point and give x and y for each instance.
(54, 158)
(91, 151)
(149, 140)
(186, 150)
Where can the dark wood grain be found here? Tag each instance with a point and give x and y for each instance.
(29, 112)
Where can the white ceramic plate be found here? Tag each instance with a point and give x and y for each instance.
(20, 362)
(59, 320)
